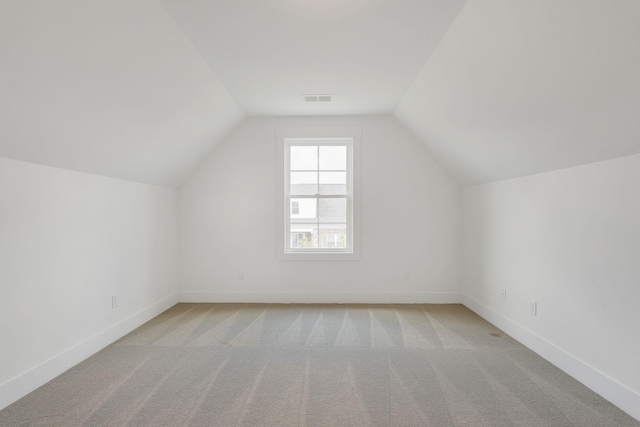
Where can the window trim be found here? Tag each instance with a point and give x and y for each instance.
(320, 134)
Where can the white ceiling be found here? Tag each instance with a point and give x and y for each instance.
(268, 53)
(523, 87)
(110, 87)
(143, 90)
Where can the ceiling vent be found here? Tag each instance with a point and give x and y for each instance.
(317, 98)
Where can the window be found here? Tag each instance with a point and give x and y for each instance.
(319, 195)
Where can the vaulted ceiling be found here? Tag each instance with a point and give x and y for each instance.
(522, 87)
(268, 53)
(144, 89)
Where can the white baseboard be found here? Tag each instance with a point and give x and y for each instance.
(618, 394)
(324, 297)
(25, 383)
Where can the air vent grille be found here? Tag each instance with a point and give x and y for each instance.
(317, 98)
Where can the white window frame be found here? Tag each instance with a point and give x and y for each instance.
(323, 136)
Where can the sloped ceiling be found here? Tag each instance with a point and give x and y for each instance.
(270, 52)
(110, 87)
(523, 87)
(143, 90)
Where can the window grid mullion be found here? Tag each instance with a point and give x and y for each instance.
(319, 196)
(321, 170)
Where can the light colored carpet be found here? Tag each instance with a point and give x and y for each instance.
(315, 365)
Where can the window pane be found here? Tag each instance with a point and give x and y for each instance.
(333, 210)
(333, 183)
(333, 158)
(333, 236)
(303, 236)
(304, 183)
(304, 158)
(306, 210)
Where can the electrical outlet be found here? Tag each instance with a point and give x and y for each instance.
(114, 301)
(503, 294)
(406, 276)
(533, 308)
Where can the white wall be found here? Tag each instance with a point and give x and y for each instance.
(68, 242)
(410, 222)
(570, 240)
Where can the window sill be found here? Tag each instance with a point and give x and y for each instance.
(318, 256)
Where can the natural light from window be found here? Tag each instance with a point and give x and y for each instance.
(318, 194)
